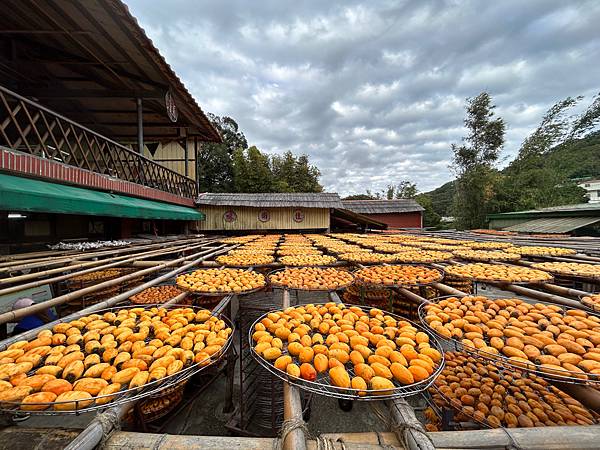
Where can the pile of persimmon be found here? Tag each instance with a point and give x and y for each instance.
(92, 360)
(365, 353)
(294, 251)
(439, 247)
(307, 260)
(393, 248)
(312, 278)
(398, 275)
(570, 269)
(239, 239)
(492, 245)
(541, 251)
(214, 281)
(486, 255)
(422, 256)
(367, 258)
(98, 275)
(536, 336)
(155, 294)
(498, 272)
(591, 301)
(245, 260)
(509, 399)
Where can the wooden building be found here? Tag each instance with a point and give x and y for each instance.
(400, 213)
(249, 212)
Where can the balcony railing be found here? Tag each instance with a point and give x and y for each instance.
(31, 128)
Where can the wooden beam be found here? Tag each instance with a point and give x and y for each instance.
(59, 92)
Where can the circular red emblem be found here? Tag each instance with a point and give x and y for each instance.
(230, 216)
(298, 216)
(264, 215)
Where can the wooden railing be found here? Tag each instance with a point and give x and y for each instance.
(28, 127)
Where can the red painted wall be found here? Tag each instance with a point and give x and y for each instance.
(398, 220)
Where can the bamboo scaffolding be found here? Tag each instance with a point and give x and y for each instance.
(13, 316)
(33, 284)
(537, 295)
(83, 255)
(97, 265)
(114, 300)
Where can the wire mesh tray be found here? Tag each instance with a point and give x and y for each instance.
(591, 306)
(440, 277)
(485, 280)
(151, 389)
(563, 273)
(331, 264)
(517, 374)
(218, 293)
(503, 361)
(322, 386)
(283, 286)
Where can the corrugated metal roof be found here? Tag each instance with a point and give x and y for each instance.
(553, 225)
(272, 200)
(382, 206)
(579, 207)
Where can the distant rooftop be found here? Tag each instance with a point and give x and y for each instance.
(577, 209)
(382, 206)
(271, 200)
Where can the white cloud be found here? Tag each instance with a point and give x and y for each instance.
(374, 92)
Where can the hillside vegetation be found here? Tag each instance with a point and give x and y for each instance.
(573, 160)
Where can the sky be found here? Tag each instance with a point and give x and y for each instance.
(374, 91)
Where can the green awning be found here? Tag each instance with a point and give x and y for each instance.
(25, 194)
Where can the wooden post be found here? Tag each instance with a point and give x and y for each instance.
(403, 414)
(292, 406)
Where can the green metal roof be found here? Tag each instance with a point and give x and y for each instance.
(553, 225)
(580, 209)
(26, 194)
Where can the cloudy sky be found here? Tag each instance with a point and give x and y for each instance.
(374, 91)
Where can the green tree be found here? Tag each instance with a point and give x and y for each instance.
(358, 197)
(430, 217)
(474, 160)
(214, 161)
(295, 174)
(251, 171)
(531, 181)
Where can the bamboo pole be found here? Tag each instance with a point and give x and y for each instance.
(98, 265)
(292, 405)
(411, 295)
(83, 255)
(415, 436)
(116, 299)
(22, 287)
(537, 295)
(13, 316)
(563, 290)
(448, 290)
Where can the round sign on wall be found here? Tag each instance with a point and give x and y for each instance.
(298, 216)
(264, 215)
(230, 216)
(171, 107)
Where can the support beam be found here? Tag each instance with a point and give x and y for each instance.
(187, 157)
(140, 125)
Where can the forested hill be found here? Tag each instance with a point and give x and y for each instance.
(578, 159)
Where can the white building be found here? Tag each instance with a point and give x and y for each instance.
(593, 190)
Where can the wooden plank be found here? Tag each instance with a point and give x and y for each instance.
(247, 218)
